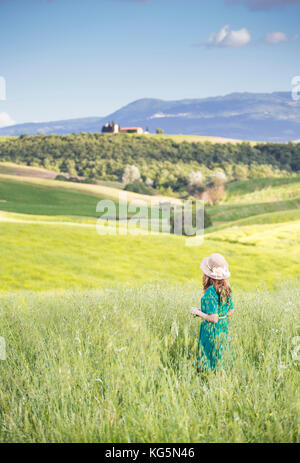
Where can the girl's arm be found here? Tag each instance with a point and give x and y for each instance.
(213, 318)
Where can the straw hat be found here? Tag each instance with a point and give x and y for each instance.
(215, 266)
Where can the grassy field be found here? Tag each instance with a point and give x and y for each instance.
(35, 199)
(99, 191)
(119, 366)
(100, 345)
(244, 199)
(243, 187)
(265, 197)
(259, 219)
(228, 212)
(49, 239)
(54, 254)
(272, 193)
(35, 196)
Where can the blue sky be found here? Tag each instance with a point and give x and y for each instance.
(76, 58)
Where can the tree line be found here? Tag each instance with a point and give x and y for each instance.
(164, 163)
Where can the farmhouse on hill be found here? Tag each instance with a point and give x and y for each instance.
(111, 128)
(116, 128)
(138, 130)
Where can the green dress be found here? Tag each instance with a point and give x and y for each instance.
(213, 337)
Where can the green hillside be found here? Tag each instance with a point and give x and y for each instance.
(70, 290)
(243, 199)
(243, 187)
(102, 190)
(16, 196)
(48, 220)
(256, 197)
(229, 212)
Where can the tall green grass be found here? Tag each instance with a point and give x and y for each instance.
(119, 365)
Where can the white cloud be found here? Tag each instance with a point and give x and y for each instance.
(6, 120)
(228, 38)
(265, 4)
(274, 38)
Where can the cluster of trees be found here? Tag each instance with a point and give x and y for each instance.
(161, 162)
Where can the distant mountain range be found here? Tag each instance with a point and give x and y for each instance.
(248, 116)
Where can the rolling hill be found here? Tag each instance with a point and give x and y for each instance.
(96, 323)
(248, 116)
(49, 237)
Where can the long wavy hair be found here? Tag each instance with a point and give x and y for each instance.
(222, 287)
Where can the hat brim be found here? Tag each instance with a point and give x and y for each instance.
(205, 269)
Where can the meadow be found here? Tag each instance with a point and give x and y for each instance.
(256, 197)
(119, 365)
(49, 239)
(100, 346)
(102, 191)
(37, 195)
(20, 197)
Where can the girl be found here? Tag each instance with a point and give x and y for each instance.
(216, 307)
